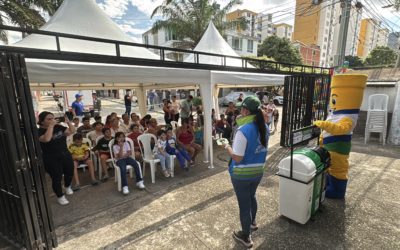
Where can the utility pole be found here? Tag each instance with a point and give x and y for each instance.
(344, 27)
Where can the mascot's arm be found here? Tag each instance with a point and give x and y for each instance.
(339, 128)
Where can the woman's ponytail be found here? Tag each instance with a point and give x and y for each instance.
(259, 120)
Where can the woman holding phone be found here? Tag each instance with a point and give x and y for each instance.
(56, 157)
(248, 156)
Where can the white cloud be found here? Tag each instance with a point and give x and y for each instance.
(146, 6)
(129, 28)
(115, 8)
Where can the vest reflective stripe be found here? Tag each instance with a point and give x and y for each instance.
(252, 165)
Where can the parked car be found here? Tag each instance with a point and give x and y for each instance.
(232, 97)
(278, 100)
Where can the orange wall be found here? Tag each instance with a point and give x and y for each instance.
(361, 37)
(306, 26)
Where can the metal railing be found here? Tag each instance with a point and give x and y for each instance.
(247, 64)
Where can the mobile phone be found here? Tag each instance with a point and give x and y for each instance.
(60, 119)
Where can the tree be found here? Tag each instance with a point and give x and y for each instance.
(381, 55)
(354, 61)
(188, 19)
(25, 13)
(280, 49)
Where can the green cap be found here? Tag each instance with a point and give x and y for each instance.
(252, 103)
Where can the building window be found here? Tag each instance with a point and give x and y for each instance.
(170, 35)
(146, 39)
(237, 43)
(250, 46)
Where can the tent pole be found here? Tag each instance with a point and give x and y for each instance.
(206, 93)
(141, 97)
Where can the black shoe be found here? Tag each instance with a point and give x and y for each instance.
(76, 188)
(253, 227)
(245, 240)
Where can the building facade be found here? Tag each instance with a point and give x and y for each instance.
(320, 25)
(283, 30)
(311, 54)
(242, 44)
(371, 36)
(394, 40)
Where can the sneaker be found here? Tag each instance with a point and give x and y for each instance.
(125, 190)
(166, 174)
(76, 188)
(171, 174)
(192, 163)
(95, 182)
(253, 227)
(105, 178)
(69, 191)
(140, 185)
(245, 240)
(62, 201)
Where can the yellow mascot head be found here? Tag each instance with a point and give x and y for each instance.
(347, 92)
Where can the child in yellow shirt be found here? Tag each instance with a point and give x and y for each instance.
(81, 155)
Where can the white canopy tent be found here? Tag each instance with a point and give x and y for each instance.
(84, 17)
(213, 42)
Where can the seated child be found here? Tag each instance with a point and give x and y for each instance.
(222, 126)
(162, 154)
(81, 155)
(181, 153)
(122, 153)
(104, 151)
(133, 136)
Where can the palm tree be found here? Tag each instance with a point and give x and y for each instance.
(25, 13)
(188, 19)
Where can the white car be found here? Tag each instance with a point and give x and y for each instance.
(232, 97)
(278, 100)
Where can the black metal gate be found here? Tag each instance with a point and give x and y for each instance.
(25, 216)
(306, 99)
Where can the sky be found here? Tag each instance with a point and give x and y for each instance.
(133, 16)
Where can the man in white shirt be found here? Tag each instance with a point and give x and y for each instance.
(175, 106)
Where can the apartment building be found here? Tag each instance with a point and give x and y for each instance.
(283, 30)
(371, 35)
(320, 24)
(394, 40)
(310, 54)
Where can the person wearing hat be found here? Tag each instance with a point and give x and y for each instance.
(77, 107)
(248, 155)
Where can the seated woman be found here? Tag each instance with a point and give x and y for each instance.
(152, 128)
(135, 119)
(133, 136)
(122, 152)
(96, 133)
(185, 139)
(104, 151)
(145, 120)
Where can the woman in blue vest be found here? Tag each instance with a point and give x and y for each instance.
(248, 155)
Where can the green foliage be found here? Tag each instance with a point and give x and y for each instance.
(280, 49)
(354, 61)
(188, 19)
(197, 101)
(25, 13)
(381, 56)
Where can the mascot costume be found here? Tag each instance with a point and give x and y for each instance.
(345, 101)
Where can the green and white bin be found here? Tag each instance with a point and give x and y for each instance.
(301, 192)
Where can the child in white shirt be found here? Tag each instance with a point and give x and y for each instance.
(162, 153)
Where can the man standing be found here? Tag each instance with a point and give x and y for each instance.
(175, 106)
(128, 102)
(151, 100)
(77, 107)
(96, 105)
(186, 107)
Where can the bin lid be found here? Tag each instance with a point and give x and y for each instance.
(304, 168)
(312, 154)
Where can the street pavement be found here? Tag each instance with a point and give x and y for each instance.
(198, 209)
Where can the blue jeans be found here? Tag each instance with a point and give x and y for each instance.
(122, 163)
(164, 160)
(180, 154)
(245, 191)
(128, 109)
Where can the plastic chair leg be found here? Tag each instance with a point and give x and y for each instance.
(131, 172)
(144, 168)
(172, 165)
(153, 171)
(115, 174)
(118, 178)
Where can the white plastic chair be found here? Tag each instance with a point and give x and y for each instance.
(377, 116)
(117, 170)
(148, 155)
(172, 164)
(99, 167)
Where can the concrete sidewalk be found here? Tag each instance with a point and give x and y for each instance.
(200, 212)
